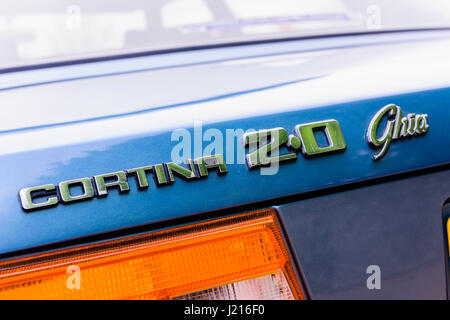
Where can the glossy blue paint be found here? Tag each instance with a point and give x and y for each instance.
(290, 76)
(194, 57)
(241, 94)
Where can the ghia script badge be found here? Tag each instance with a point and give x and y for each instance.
(397, 127)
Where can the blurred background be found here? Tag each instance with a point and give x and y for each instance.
(49, 30)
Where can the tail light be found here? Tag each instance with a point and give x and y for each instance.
(239, 257)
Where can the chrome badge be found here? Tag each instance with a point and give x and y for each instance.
(397, 127)
(99, 185)
(263, 150)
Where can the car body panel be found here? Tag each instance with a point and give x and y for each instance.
(289, 76)
(111, 135)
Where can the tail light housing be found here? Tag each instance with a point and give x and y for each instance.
(238, 257)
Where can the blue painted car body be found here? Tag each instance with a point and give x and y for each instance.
(73, 121)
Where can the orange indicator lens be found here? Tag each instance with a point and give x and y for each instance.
(246, 251)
